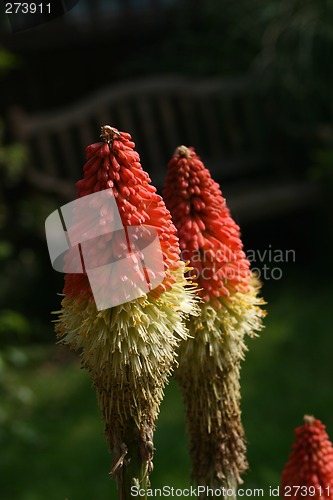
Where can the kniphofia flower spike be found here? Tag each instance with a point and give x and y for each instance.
(129, 349)
(209, 363)
(309, 471)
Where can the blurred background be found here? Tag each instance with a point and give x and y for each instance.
(249, 85)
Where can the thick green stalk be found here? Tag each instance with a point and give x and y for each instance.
(133, 462)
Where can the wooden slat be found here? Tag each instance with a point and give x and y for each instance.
(70, 158)
(262, 200)
(46, 155)
(190, 123)
(168, 122)
(51, 184)
(212, 127)
(85, 133)
(126, 119)
(237, 166)
(231, 125)
(252, 123)
(152, 141)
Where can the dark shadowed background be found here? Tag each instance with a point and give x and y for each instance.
(249, 85)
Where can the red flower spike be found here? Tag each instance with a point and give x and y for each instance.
(310, 464)
(209, 362)
(114, 164)
(209, 237)
(129, 349)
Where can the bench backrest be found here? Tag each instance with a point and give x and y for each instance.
(221, 118)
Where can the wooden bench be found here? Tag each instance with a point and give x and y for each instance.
(228, 121)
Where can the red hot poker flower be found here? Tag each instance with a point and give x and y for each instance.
(310, 464)
(209, 237)
(129, 349)
(209, 362)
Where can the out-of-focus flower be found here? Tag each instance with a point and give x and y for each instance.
(129, 349)
(209, 363)
(309, 471)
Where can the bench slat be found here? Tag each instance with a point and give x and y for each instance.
(46, 153)
(212, 127)
(152, 142)
(169, 123)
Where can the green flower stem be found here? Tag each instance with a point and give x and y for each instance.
(135, 463)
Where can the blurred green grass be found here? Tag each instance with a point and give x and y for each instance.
(56, 449)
